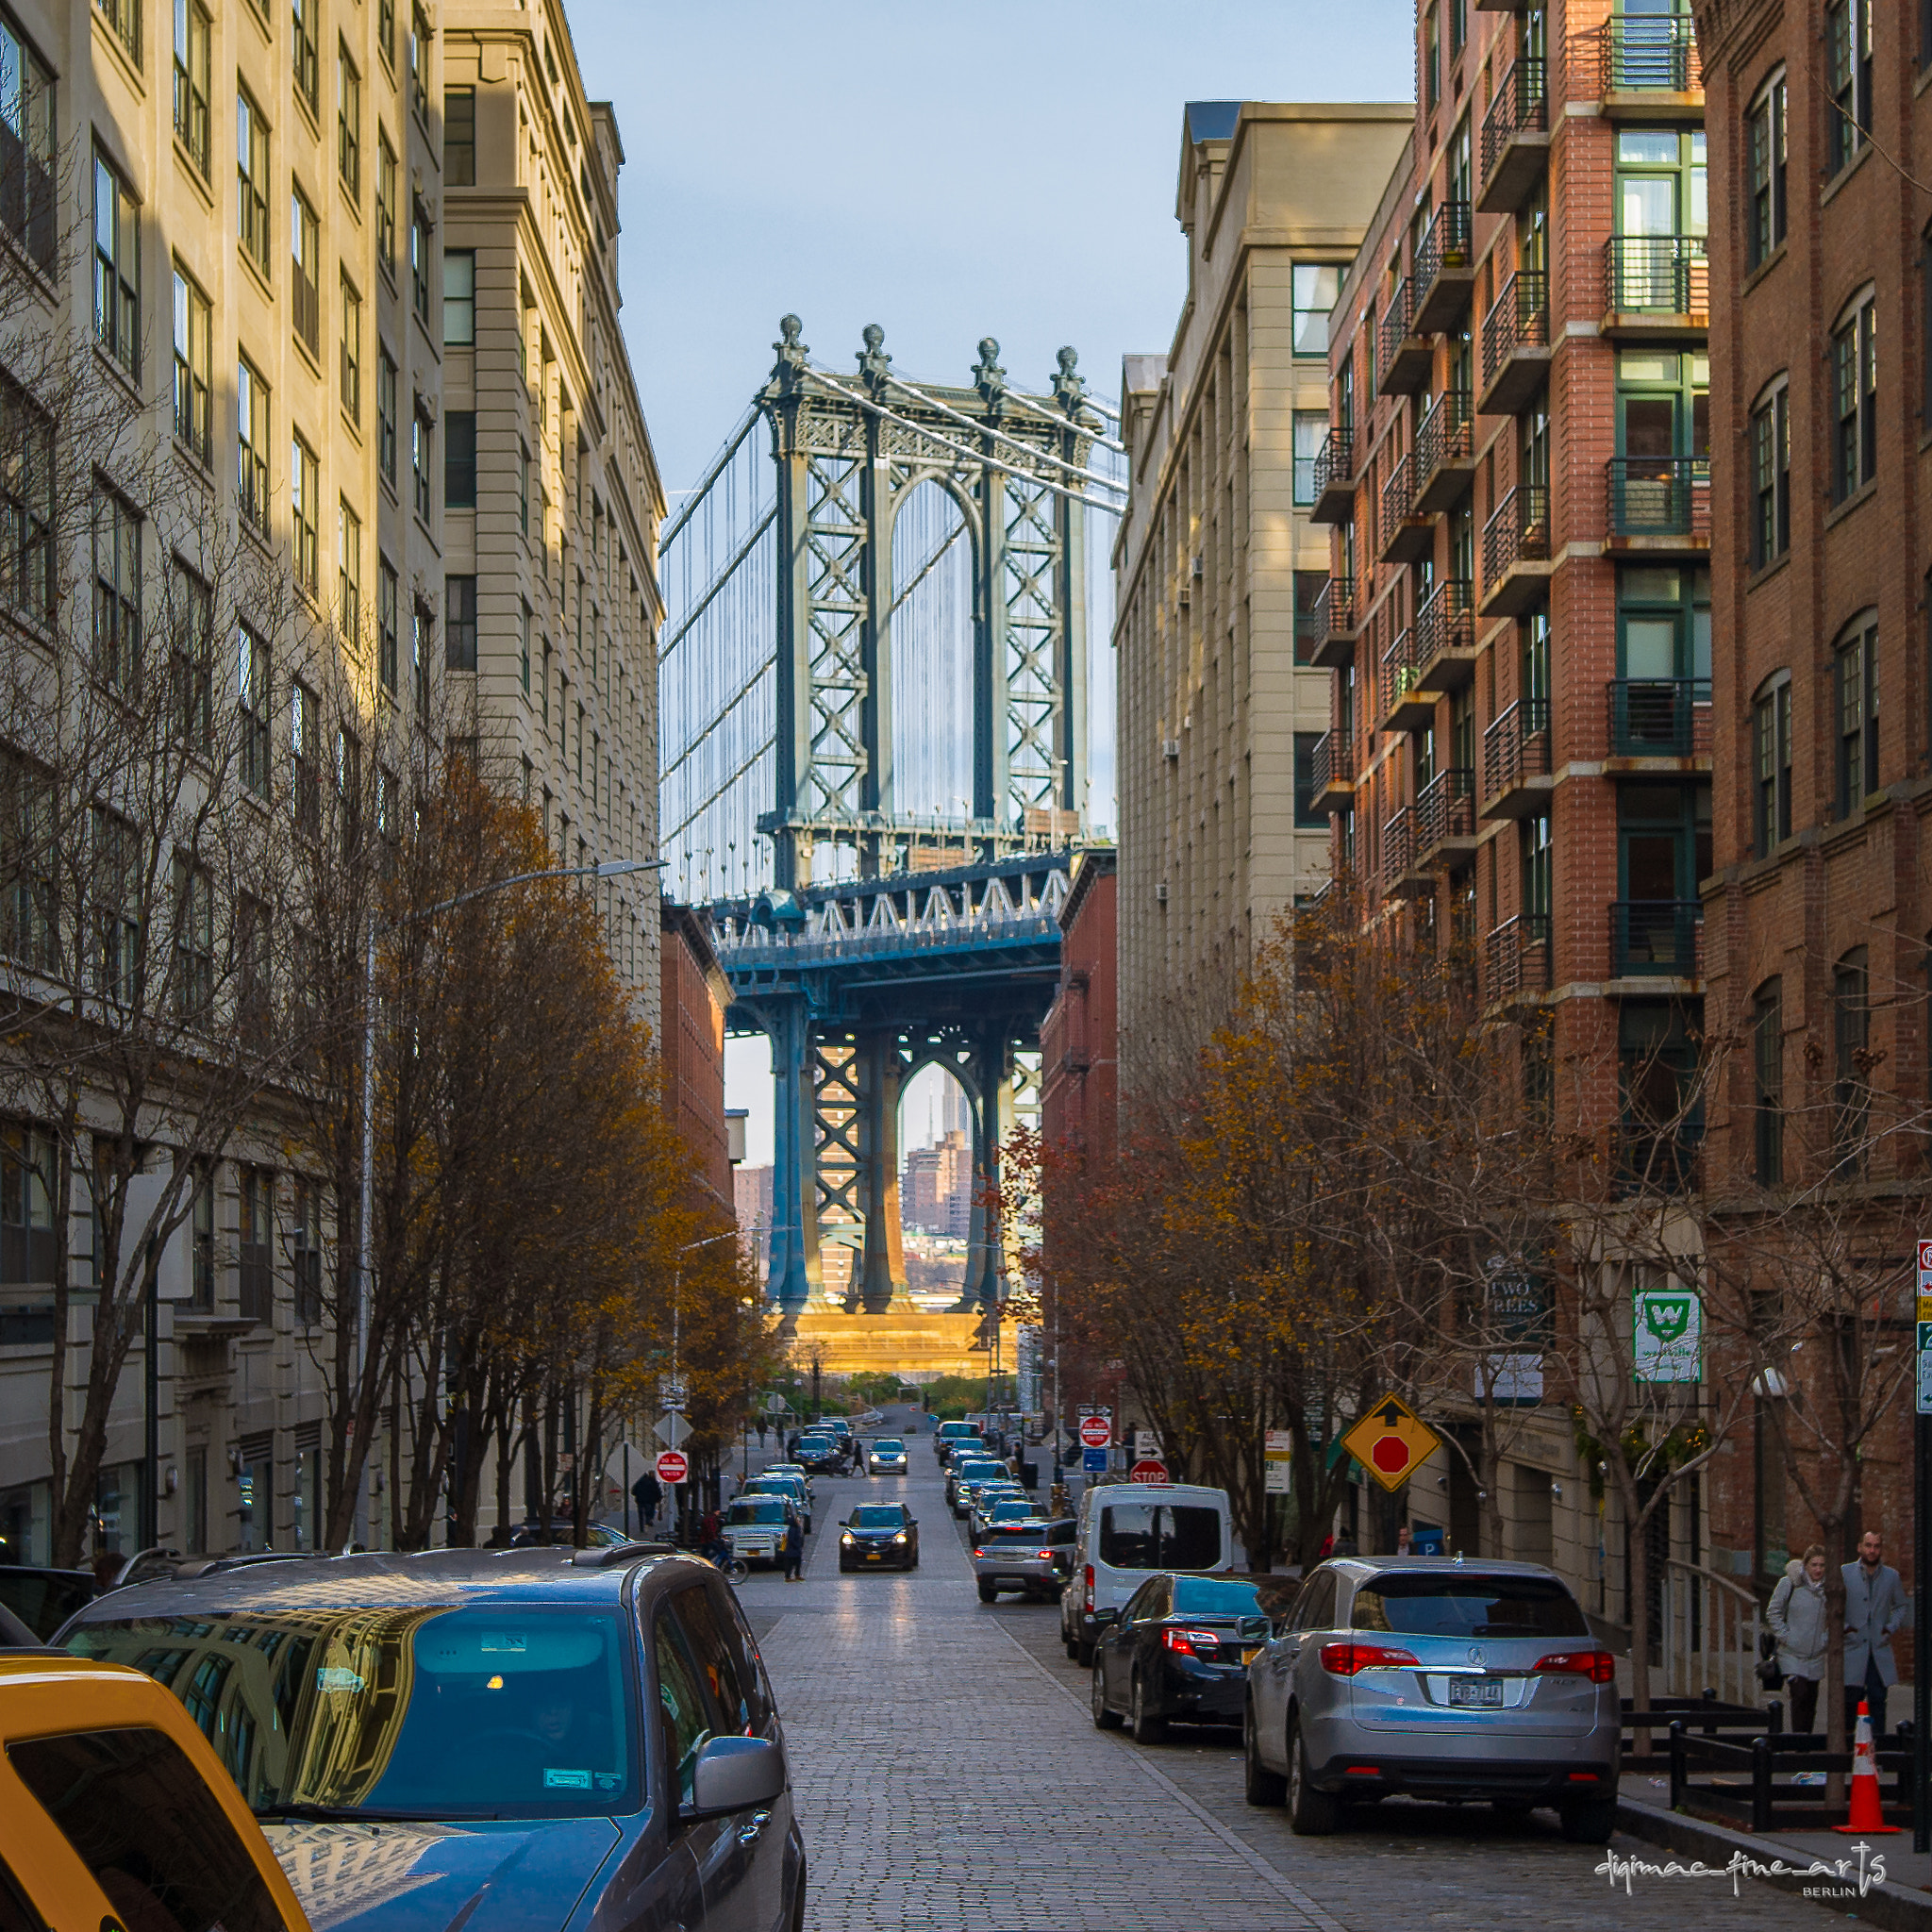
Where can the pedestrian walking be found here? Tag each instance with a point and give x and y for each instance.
(1797, 1616)
(858, 1466)
(646, 1493)
(794, 1552)
(1874, 1607)
(761, 1430)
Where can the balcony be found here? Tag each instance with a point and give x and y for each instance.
(1403, 707)
(1516, 344)
(1516, 139)
(1519, 957)
(1516, 761)
(1335, 478)
(1445, 638)
(1404, 356)
(1334, 773)
(1659, 717)
(1406, 534)
(1444, 468)
(1398, 849)
(1661, 506)
(1444, 270)
(1445, 817)
(1650, 67)
(1656, 287)
(1333, 626)
(1654, 939)
(1516, 553)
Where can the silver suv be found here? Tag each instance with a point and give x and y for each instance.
(1440, 1678)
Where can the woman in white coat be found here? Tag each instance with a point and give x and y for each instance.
(1796, 1616)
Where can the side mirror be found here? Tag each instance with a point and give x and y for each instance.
(734, 1775)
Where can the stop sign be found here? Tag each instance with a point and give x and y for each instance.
(1148, 1471)
(1096, 1431)
(672, 1467)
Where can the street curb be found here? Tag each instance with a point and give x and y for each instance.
(1896, 1907)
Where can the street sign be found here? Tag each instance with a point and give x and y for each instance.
(774, 1404)
(1093, 1460)
(673, 1391)
(1390, 1442)
(1515, 1381)
(1667, 1335)
(1147, 1446)
(671, 1466)
(1096, 1432)
(1148, 1471)
(1278, 1455)
(1925, 1368)
(671, 1428)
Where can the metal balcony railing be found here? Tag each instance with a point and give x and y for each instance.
(1520, 319)
(1650, 53)
(1443, 436)
(1654, 937)
(1334, 461)
(1660, 496)
(1516, 746)
(1394, 328)
(1660, 717)
(1332, 762)
(1519, 956)
(1657, 274)
(1445, 245)
(1397, 671)
(1398, 847)
(1445, 809)
(1446, 622)
(1333, 610)
(1398, 494)
(1521, 107)
(1519, 528)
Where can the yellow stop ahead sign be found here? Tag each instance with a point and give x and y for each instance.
(1390, 1442)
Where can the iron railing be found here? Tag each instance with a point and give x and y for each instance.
(1446, 622)
(1310, 628)
(1398, 847)
(1519, 956)
(1445, 809)
(1394, 327)
(1660, 496)
(1520, 319)
(1397, 671)
(1333, 610)
(1650, 53)
(1657, 936)
(1332, 762)
(1516, 746)
(1660, 717)
(1443, 436)
(1519, 528)
(1398, 494)
(1334, 461)
(1657, 275)
(1445, 245)
(1521, 107)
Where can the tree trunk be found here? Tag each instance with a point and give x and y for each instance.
(1638, 1521)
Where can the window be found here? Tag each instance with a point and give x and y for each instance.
(194, 370)
(30, 898)
(252, 702)
(385, 595)
(386, 416)
(191, 82)
(26, 503)
(419, 262)
(256, 1248)
(307, 62)
(306, 1252)
(251, 437)
(1851, 1024)
(349, 576)
(1315, 288)
(1857, 680)
(114, 871)
(1771, 741)
(458, 298)
(348, 123)
(191, 655)
(385, 205)
(1848, 77)
(1768, 1081)
(352, 351)
(305, 780)
(1310, 430)
(27, 146)
(1432, 58)
(305, 247)
(421, 636)
(1855, 399)
(419, 65)
(1771, 477)
(254, 942)
(194, 943)
(460, 137)
(304, 510)
(117, 589)
(1765, 136)
(522, 487)
(1304, 813)
(117, 268)
(251, 181)
(459, 460)
(459, 624)
(420, 452)
(124, 16)
(386, 31)
(523, 644)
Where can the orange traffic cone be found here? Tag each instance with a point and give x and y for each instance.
(1867, 1815)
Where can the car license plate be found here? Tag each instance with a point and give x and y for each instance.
(872, 1556)
(1249, 1654)
(1475, 1693)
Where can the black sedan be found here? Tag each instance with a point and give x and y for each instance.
(879, 1536)
(1179, 1651)
(820, 1455)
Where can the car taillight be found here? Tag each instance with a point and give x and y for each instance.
(1346, 1659)
(1089, 1587)
(1190, 1643)
(1046, 1556)
(1599, 1666)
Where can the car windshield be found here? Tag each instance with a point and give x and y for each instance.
(878, 1515)
(1214, 1596)
(1462, 1604)
(891, 1442)
(757, 1510)
(425, 1711)
(1011, 1510)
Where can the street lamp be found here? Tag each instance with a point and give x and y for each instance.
(612, 869)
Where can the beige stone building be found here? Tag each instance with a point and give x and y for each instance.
(1217, 568)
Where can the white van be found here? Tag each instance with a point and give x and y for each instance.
(1128, 1531)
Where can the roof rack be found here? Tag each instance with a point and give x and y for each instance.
(614, 1555)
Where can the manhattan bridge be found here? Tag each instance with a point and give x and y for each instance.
(872, 695)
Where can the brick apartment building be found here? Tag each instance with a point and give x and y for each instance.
(1079, 1076)
(690, 1044)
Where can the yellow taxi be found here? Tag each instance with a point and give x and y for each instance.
(118, 1816)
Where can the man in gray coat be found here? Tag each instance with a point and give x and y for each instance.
(1874, 1607)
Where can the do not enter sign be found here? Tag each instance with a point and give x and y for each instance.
(673, 1466)
(1390, 1442)
(1096, 1431)
(1149, 1471)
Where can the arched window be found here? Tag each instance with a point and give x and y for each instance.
(1854, 376)
(1764, 183)
(1770, 741)
(1855, 701)
(1771, 473)
(1768, 1082)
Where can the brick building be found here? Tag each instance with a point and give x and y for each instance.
(691, 1043)
(1079, 1084)
(937, 1184)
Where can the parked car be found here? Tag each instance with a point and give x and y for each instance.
(1441, 1679)
(840, 1425)
(44, 1599)
(797, 1469)
(963, 1469)
(821, 1454)
(1179, 1649)
(977, 1491)
(755, 1527)
(1129, 1531)
(948, 1435)
(585, 1739)
(878, 1536)
(790, 1487)
(119, 1813)
(1032, 1558)
(597, 1536)
(996, 1507)
(887, 1456)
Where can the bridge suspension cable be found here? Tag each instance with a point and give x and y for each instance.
(1032, 450)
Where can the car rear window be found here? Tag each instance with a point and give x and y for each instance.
(1216, 1596)
(1006, 1534)
(42, 1603)
(1159, 1536)
(1462, 1604)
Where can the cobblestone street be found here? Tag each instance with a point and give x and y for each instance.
(947, 1774)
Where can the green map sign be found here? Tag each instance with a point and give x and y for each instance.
(1667, 1333)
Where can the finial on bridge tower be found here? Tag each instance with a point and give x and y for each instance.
(1069, 389)
(874, 365)
(989, 378)
(790, 364)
